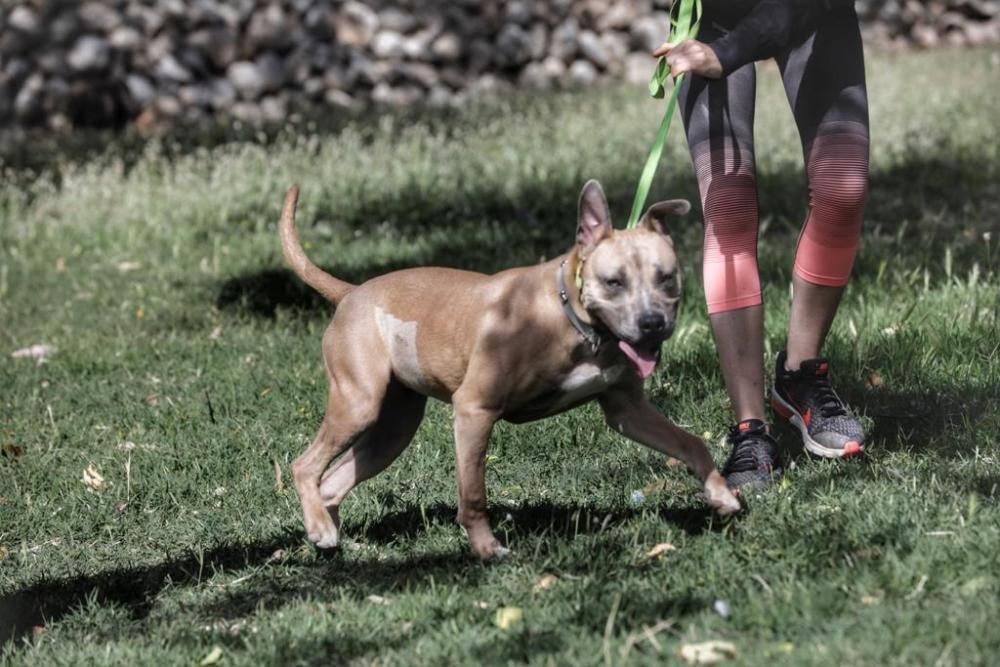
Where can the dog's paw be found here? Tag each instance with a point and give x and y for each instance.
(718, 495)
(492, 550)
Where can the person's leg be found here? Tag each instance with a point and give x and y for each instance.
(718, 118)
(824, 79)
(825, 82)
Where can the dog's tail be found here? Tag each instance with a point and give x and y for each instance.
(321, 281)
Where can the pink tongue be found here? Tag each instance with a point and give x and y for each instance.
(644, 362)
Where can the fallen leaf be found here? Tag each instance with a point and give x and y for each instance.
(660, 549)
(126, 446)
(39, 351)
(60, 265)
(3, 553)
(38, 630)
(13, 451)
(140, 313)
(279, 483)
(655, 486)
(871, 600)
(92, 478)
(214, 656)
(152, 399)
(276, 556)
(377, 599)
(216, 332)
(546, 582)
(121, 507)
(508, 617)
(874, 380)
(125, 267)
(707, 653)
(220, 491)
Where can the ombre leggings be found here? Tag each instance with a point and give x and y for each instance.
(824, 80)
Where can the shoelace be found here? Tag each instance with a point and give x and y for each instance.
(744, 456)
(826, 399)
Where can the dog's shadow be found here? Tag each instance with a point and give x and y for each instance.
(137, 589)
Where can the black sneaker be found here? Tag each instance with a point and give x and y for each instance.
(806, 398)
(753, 463)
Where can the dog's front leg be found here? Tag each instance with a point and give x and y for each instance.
(473, 426)
(628, 411)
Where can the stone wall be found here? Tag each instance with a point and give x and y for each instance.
(111, 63)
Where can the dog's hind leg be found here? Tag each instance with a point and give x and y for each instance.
(402, 412)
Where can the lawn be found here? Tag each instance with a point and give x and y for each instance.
(187, 376)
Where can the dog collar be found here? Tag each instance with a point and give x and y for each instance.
(588, 333)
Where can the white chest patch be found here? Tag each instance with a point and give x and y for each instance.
(587, 380)
(401, 340)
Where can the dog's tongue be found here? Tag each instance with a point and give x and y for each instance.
(644, 362)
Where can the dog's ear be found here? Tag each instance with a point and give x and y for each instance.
(655, 217)
(593, 218)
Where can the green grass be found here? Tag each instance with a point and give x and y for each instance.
(179, 331)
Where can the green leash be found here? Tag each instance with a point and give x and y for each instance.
(683, 26)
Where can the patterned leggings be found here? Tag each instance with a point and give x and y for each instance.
(824, 80)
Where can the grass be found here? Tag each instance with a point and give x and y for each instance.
(188, 375)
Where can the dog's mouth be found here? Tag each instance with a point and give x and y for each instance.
(644, 357)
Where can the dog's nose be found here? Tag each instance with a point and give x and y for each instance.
(651, 323)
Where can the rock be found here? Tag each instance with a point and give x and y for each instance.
(169, 68)
(616, 48)
(360, 70)
(518, 12)
(556, 70)
(221, 93)
(341, 100)
(89, 54)
(421, 74)
(245, 78)
(395, 19)
(638, 67)
(396, 96)
(439, 96)
(267, 29)
(648, 32)
(273, 109)
(99, 16)
(194, 96)
(140, 89)
(924, 35)
(620, 16)
(125, 38)
(320, 21)
(447, 47)
(219, 45)
(168, 105)
(24, 19)
(356, 24)
(564, 40)
(387, 44)
(535, 76)
(591, 48)
(272, 71)
(513, 46)
(480, 56)
(64, 28)
(582, 73)
(538, 39)
(28, 101)
(247, 112)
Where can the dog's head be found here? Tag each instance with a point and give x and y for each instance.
(631, 280)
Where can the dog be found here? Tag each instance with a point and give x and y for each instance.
(520, 345)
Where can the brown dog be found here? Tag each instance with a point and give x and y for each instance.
(520, 345)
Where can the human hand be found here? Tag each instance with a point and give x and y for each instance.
(690, 56)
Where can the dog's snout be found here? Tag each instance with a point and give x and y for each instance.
(652, 322)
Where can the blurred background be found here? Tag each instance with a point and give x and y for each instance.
(159, 63)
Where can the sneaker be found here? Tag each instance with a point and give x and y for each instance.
(753, 463)
(806, 399)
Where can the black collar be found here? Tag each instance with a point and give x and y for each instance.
(587, 332)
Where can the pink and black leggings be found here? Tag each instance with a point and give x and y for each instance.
(824, 80)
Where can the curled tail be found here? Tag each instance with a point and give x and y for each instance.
(333, 289)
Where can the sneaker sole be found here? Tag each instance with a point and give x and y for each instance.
(784, 409)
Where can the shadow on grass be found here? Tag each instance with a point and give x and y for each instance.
(137, 589)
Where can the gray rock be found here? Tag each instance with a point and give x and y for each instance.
(356, 24)
(170, 69)
(421, 74)
(125, 38)
(447, 47)
(618, 16)
(219, 45)
(341, 100)
(89, 54)
(268, 29)
(616, 46)
(648, 32)
(480, 56)
(591, 48)
(272, 71)
(222, 93)
(246, 79)
(519, 12)
(140, 89)
(397, 20)
(564, 40)
(99, 16)
(536, 76)
(513, 46)
(273, 109)
(194, 96)
(582, 73)
(28, 101)
(556, 70)
(387, 44)
(168, 105)
(24, 19)
(64, 28)
(439, 96)
(247, 112)
(538, 41)
(396, 96)
(361, 70)
(638, 67)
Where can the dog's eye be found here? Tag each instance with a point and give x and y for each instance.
(666, 278)
(613, 283)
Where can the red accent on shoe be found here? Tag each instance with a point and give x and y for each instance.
(781, 409)
(807, 417)
(851, 448)
(822, 369)
(745, 426)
